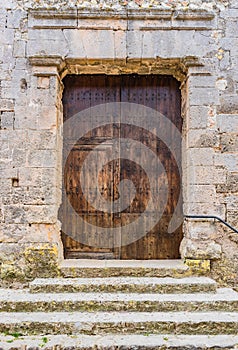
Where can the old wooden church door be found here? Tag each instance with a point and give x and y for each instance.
(155, 91)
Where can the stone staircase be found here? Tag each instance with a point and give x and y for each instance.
(120, 305)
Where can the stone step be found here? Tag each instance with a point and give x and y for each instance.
(124, 284)
(224, 299)
(120, 341)
(110, 268)
(33, 323)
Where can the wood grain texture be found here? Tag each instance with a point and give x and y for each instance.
(158, 92)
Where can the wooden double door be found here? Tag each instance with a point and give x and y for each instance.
(81, 92)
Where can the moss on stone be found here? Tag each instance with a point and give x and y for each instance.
(198, 267)
(10, 271)
(42, 261)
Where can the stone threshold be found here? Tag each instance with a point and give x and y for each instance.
(176, 268)
(93, 263)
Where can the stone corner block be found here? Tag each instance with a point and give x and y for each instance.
(198, 266)
(42, 260)
(23, 262)
(200, 250)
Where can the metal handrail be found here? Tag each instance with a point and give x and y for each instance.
(211, 217)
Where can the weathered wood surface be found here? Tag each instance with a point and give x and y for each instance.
(158, 92)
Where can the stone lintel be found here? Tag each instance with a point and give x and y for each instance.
(124, 13)
(53, 65)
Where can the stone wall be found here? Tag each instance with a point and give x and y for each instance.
(42, 41)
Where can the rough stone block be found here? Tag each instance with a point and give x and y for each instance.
(199, 266)
(229, 44)
(7, 120)
(3, 18)
(206, 175)
(203, 139)
(228, 104)
(198, 117)
(225, 62)
(44, 98)
(200, 230)
(6, 105)
(15, 214)
(201, 193)
(1, 215)
(229, 142)
(120, 48)
(22, 64)
(7, 36)
(19, 157)
(42, 261)
(42, 140)
(10, 233)
(22, 262)
(231, 201)
(231, 185)
(41, 214)
(231, 28)
(26, 117)
(227, 123)
(225, 269)
(45, 195)
(43, 82)
(226, 160)
(191, 249)
(8, 172)
(170, 44)
(203, 96)
(200, 156)
(36, 177)
(201, 81)
(15, 138)
(47, 42)
(47, 117)
(205, 209)
(232, 218)
(42, 159)
(230, 12)
(19, 48)
(94, 43)
(14, 18)
(11, 272)
(44, 233)
(233, 4)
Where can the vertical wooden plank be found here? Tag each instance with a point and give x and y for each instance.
(158, 92)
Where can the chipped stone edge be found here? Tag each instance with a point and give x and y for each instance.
(124, 13)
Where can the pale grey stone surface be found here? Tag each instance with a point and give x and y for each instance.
(103, 322)
(126, 284)
(139, 342)
(105, 317)
(115, 42)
